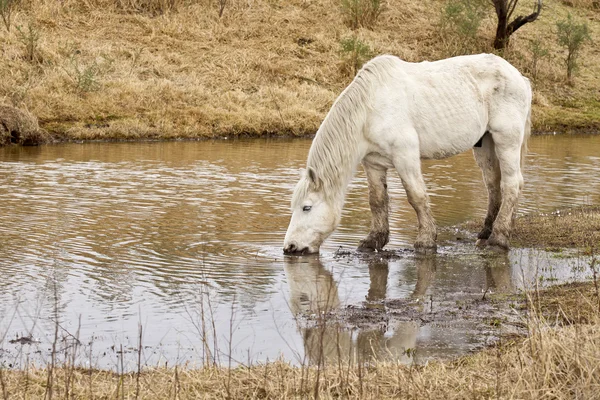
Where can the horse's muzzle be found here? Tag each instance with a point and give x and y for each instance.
(292, 249)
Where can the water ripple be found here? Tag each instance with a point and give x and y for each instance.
(127, 227)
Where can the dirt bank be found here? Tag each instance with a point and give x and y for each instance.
(130, 70)
(20, 127)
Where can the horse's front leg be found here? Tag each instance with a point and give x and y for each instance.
(379, 202)
(409, 169)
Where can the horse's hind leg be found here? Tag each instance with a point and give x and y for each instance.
(508, 150)
(485, 156)
(379, 202)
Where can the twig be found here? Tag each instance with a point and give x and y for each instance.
(228, 388)
(50, 374)
(91, 371)
(122, 376)
(283, 124)
(139, 363)
(177, 385)
(595, 276)
(71, 368)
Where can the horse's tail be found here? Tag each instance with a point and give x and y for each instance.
(527, 126)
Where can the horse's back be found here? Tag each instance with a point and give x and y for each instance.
(448, 104)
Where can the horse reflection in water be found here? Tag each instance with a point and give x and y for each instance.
(314, 294)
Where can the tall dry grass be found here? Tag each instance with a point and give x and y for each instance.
(558, 359)
(131, 69)
(552, 363)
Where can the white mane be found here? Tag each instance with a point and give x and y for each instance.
(334, 153)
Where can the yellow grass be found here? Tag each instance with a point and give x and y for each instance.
(128, 69)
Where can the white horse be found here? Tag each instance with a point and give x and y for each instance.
(395, 113)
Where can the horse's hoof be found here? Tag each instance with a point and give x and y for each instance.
(425, 250)
(367, 245)
(497, 243)
(481, 243)
(373, 242)
(425, 247)
(365, 249)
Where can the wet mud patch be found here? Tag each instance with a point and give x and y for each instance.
(27, 339)
(369, 256)
(418, 308)
(419, 330)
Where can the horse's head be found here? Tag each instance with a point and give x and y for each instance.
(314, 216)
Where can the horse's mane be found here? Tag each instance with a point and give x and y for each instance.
(334, 152)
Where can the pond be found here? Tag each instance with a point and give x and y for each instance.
(184, 239)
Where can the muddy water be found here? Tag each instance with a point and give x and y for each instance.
(184, 239)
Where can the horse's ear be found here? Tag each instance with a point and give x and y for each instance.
(312, 176)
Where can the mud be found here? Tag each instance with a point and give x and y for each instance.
(20, 127)
(460, 300)
(23, 340)
(491, 315)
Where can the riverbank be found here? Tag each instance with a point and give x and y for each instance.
(99, 70)
(575, 227)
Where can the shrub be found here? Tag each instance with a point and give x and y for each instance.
(354, 53)
(361, 13)
(538, 53)
(84, 77)
(572, 35)
(30, 38)
(463, 17)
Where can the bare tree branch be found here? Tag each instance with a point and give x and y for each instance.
(520, 20)
(511, 7)
(506, 27)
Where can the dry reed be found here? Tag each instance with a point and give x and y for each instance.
(552, 363)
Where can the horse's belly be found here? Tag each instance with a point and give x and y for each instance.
(445, 133)
(439, 146)
(449, 117)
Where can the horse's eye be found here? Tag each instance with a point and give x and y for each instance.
(306, 208)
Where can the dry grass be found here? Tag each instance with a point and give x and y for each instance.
(131, 69)
(552, 363)
(575, 303)
(574, 227)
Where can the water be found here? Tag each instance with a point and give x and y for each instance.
(167, 235)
